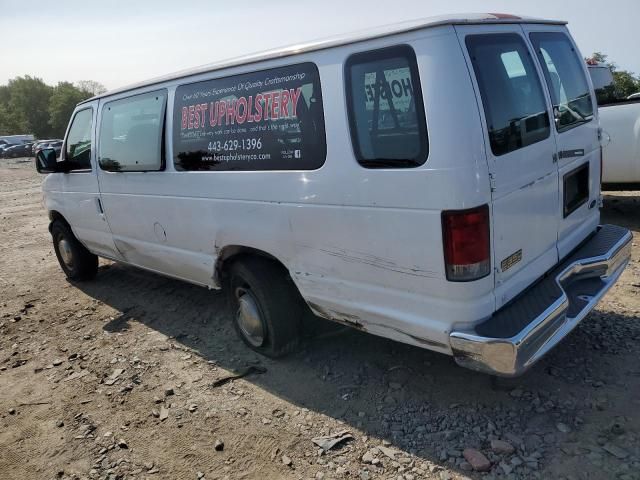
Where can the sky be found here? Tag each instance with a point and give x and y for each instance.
(121, 42)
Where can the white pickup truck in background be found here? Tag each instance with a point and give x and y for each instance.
(620, 122)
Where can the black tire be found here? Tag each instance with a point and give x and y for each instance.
(277, 300)
(82, 264)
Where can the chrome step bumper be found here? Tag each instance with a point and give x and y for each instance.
(521, 333)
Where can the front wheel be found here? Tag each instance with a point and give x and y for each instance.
(76, 261)
(266, 306)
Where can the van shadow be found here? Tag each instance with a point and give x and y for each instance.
(622, 208)
(418, 400)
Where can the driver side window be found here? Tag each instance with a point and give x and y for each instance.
(78, 143)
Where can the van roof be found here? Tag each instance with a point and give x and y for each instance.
(337, 40)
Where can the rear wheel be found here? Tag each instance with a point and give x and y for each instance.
(266, 305)
(76, 261)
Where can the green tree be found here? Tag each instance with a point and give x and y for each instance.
(63, 100)
(28, 106)
(5, 122)
(5, 127)
(91, 86)
(10, 123)
(599, 57)
(624, 82)
(5, 94)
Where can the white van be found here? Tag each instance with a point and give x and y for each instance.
(434, 182)
(620, 123)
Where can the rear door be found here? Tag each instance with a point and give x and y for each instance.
(575, 130)
(520, 149)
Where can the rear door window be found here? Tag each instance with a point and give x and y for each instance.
(385, 107)
(563, 71)
(266, 120)
(512, 96)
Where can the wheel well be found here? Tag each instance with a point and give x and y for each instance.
(57, 216)
(232, 253)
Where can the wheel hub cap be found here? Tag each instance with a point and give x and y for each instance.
(65, 252)
(249, 318)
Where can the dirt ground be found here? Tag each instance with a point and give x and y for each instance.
(116, 379)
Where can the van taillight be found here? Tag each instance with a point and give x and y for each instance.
(466, 243)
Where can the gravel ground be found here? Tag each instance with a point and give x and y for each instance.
(127, 377)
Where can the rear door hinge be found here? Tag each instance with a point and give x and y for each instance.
(492, 182)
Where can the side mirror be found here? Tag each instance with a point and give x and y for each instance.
(46, 161)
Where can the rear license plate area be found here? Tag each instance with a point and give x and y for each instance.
(576, 189)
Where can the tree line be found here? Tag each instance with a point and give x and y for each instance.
(30, 106)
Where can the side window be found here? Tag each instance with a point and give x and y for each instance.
(77, 151)
(385, 108)
(266, 120)
(131, 133)
(572, 104)
(512, 96)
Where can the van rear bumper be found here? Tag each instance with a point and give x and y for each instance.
(522, 332)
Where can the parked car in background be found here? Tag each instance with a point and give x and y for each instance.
(56, 144)
(4, 150)
(3, 147)
(15, 151)
(17, 139)
(620, 123)
(307, 179)
(41, 143)
(7, 141)
(36, 145)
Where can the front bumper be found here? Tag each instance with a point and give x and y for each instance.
(521, 333)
